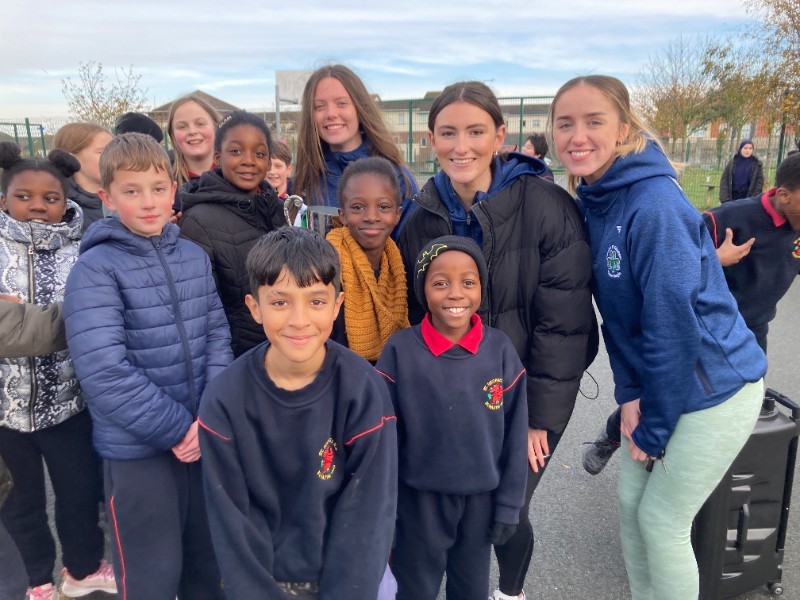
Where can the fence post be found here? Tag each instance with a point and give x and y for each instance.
(410, 132)
(521, 122)
(30, 138)
(16, 135)
(41, 134)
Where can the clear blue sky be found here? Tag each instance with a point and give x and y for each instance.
(401, 49)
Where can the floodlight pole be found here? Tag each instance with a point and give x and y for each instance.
(277, 111)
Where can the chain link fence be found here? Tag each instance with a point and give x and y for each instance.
(701, 160)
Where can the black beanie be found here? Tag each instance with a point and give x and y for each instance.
(444, 244)
(138, 123)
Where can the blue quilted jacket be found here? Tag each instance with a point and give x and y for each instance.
(146, 332)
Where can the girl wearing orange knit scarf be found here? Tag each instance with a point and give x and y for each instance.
(373, 278)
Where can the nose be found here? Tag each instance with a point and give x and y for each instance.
(454, 292)
(371, 214)
(248, 158)
(37, 204)
(148, 200)
(461, 144)
(578, 133)
(298, 315)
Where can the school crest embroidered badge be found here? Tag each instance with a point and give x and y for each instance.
(494, 394)
(327, 455)
(796, 248)
(614, 262)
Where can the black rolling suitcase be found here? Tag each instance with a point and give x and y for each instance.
(739, 534)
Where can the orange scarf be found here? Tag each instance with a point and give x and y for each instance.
(373, 308)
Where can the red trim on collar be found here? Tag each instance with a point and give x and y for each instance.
(766, 202)
(438, 344)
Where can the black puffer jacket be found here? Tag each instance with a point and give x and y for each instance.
(539, 291)
(226, 223)
(91, 204)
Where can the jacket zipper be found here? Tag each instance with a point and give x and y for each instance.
(181, 328)
(32, 359)
(489, 315)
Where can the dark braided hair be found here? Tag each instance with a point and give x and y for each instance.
(59, 163)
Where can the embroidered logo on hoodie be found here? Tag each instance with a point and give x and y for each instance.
(614, 262)
(796, 250)
(494, 394)
(327, 454)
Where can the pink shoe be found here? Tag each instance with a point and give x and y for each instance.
(101, 581)
(42, 592)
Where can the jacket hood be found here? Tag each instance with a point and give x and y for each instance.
(42, 236)
(624, 172)
(505, 170)
(111, 230)
(336, 162)
(84, 198)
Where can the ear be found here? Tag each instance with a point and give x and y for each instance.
(216, 158)
(3, 206)
(174, 190)
(107, 199)
(289, 171)
(341, 217)
(431, 139)
(500, 137)
(338, 305)
(252, 304)
(624, 130)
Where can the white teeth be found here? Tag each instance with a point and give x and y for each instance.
(456, 310)
(462, 161)
(580, 154)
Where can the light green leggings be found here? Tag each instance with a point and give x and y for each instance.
(656, 509)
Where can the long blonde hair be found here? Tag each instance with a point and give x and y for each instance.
(74, 137)
(639, 133)
(180, 169)
(310, 169)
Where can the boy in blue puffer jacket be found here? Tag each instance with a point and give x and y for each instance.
(147, 331)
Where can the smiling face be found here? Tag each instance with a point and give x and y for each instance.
(370, 210)
(244, 157)
(193, 132)
(586, 131)
(35, 196)
(453, 293)
(335, 116)
(465, 140)
(278, 175)
(297, 321)
(141, 199)
(89, 175)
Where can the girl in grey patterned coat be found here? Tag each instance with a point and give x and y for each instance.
(42, 414)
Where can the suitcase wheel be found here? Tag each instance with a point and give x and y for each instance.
(776, 588)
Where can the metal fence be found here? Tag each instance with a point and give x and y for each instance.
(702, 159)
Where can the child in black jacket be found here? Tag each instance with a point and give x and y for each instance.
(298, 440)
(458, 388)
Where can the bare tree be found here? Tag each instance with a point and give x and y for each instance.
(779, 33)
(94, 98)
(672, 89)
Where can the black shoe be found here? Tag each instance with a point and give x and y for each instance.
(598, 453)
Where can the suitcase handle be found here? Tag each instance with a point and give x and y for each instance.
(783, 400)
(742, 528)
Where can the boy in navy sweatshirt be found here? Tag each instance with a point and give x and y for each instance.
(299, 441)
(458, 389)
(758, 244)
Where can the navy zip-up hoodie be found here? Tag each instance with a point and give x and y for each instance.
(673, 333)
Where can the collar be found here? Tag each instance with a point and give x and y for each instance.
(766, 202)
(438, 344)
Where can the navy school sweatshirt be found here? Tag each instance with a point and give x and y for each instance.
(301, 486)
(462, 413)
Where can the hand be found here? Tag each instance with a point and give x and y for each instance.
(729, 253)
(636, 452)
(630, 417)
(538, 449)
(188, 449)
(13, 299)
(500, 533)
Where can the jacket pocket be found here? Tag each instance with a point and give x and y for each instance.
(701, 375)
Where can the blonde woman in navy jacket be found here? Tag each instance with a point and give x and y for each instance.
(688, 373)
